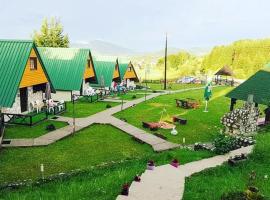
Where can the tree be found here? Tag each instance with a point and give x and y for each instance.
(51, 34)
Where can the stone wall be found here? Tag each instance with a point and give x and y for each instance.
(85, 87)
(32, 97)
(241, 121)
(63, 95)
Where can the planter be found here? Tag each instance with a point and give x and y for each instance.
(137, 178)
(175, 163)
(125, 190)
(150, 165)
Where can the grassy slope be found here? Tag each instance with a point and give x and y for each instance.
(101, 183)
(84, 109)
(201, 126)
(19, 131)
(211, 184)
(90, 146)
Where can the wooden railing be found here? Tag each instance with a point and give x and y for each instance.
(34, 118)
(26, 119)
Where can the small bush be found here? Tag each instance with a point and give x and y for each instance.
(234, 196)
(50, 127)
(134, 96)
(225, 143)
(108, 106)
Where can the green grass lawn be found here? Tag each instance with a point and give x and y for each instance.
(90, 147)
(171, 86)
(36, 118)
(201, 127)
(85, 109)
(129, 95)
(21, 131)
(211, 184)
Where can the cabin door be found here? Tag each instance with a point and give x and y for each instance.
(24, 99)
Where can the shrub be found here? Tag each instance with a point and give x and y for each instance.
(225, 143)
(134, 96)
(50, 127)
(234, 196)
(108, 106)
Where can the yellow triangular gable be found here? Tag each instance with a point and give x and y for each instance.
(130, 73)
(89, 69)
(116, 73)
(33, 77)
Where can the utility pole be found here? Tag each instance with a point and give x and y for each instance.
(73, 112)
(165, 71)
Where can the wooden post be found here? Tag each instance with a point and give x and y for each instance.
(165, 73)
(1, 123)
(73, 113)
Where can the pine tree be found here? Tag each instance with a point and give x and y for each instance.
(51, 34)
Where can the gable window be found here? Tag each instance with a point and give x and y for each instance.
(115, 68)
(129, 69)
(33, 63)
(89, 63)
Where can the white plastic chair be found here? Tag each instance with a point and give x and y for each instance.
(61, 105)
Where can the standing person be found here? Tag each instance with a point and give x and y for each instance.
(207, 95)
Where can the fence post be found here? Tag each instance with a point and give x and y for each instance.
(31, 120)
(1, 123)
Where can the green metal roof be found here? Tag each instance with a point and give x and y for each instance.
(257, 85)
(14, 55)
(104, 68)
(122, 68)
(65, 66)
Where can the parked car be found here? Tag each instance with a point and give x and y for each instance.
(185, 79)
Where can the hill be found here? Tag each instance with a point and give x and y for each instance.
(105, 48)
(244, 56)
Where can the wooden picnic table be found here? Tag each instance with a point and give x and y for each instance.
(187, 103)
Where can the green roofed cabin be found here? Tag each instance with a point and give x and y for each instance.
(127, 73)
(23, 76)
(107, 71)
(70, 69)
(257, 85)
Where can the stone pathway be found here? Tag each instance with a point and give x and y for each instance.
(167, 182)
(103, 117)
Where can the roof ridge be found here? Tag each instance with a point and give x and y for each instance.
(16, 40)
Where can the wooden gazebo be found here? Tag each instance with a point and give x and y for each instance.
(224, 71)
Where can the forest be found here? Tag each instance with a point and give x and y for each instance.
(245, 57)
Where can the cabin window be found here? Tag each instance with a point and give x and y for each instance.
(33, 63)
(39, 87)
(89, 63)
(129, 69)
(115, 68)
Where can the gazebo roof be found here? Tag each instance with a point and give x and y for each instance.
(225, 71)
(257, 85)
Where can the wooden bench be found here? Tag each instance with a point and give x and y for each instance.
(180, 120)
(153, 126)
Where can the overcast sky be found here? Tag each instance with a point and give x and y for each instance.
(141, 24)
